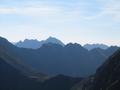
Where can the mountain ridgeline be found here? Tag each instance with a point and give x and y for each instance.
(54, 59)
(92, 46)
(25, 69)
(35, 44)
(15, 75)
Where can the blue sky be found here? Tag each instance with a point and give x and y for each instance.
(81, 21)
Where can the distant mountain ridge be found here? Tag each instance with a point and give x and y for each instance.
(35, 44)
(93, 46)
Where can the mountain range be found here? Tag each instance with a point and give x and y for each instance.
(93, 46)
(35, 44)
(17, 72)
(54, 59)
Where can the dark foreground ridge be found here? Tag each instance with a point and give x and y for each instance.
(107, 76)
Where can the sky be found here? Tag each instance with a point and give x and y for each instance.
(80, 21)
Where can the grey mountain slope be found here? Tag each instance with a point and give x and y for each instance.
(22, 67)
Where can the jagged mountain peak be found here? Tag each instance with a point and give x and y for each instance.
(35, 44)
(54, 40)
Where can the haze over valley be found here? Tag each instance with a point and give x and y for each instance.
(59, 44)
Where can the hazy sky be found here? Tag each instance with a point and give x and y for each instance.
(81, 21)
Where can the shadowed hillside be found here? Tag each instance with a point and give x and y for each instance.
(107, 76)
(14, 75)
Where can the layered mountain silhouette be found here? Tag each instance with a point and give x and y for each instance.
(15, 75)
(12, 78)
(53, 59)
(93, 46)
(35, 44)
(20, 67)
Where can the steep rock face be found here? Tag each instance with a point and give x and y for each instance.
(108, 75)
